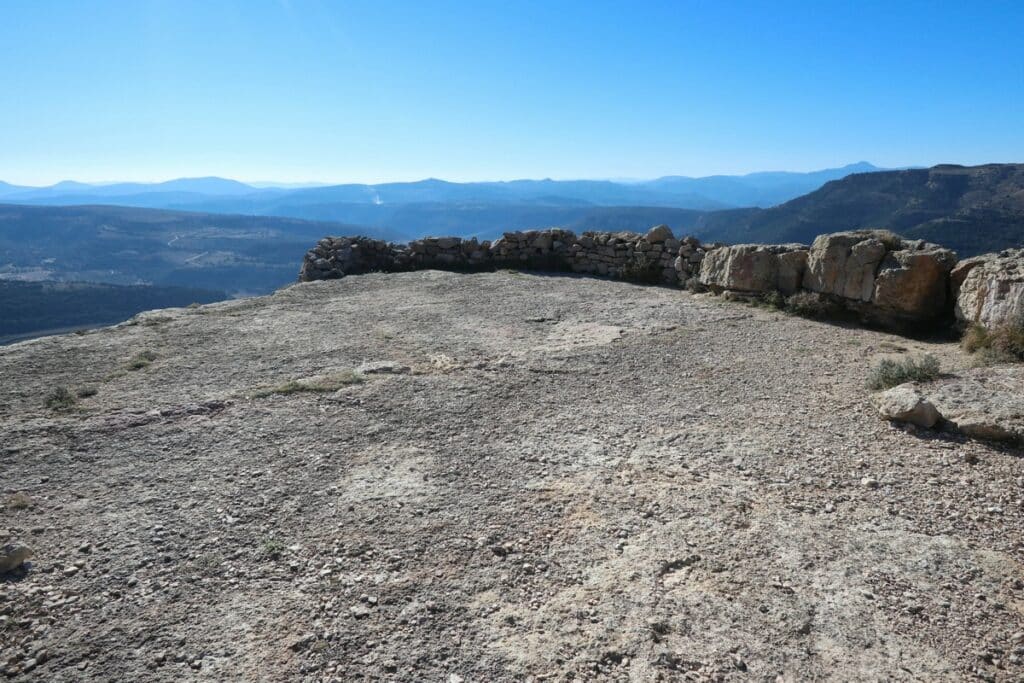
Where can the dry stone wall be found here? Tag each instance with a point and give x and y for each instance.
(885, 280)
(656, 257)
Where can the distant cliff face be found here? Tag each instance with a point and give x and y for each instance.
(968, 209)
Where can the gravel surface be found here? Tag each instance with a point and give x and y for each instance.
(542, 478)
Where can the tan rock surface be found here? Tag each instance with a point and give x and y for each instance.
(990, 289)
(579, 478)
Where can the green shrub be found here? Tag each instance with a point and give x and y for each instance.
(774, 299)
(890, 372)
(60, 399)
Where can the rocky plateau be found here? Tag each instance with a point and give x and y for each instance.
(501, 476)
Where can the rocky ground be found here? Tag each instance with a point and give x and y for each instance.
(575, 479)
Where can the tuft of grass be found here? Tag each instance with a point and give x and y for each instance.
(141, 360)
(19, 501)
(992, 346)
(61, 399)
(322, 384)
(889, 373)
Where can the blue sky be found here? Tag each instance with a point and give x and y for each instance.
(299, 90)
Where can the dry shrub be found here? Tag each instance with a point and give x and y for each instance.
(890, 372)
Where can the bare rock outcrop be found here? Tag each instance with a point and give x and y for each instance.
(755, 268)
(989, 289)
(881, 276)
(982, 403)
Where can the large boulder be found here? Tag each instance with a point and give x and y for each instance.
(881, 276)
(659, 234)
(989, 289)
(913, 281)
(754, 268)
(845, 263)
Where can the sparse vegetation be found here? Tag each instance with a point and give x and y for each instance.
(642, 270)
(774, 299)
(993, 346)
(19, 501)
(273, 548)
(321, 384)
(695, 286)
(61, 399)
(141, 360)
(813, 305)
(891, 372)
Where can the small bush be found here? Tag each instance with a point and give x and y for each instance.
(273, 548)
(1002, 344)
(642, 270)
(813, 305)
(141, 360)
(889, 372)
(19, 501)
(61, 398)
(774, 299)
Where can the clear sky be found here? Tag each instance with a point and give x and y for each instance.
(300, 90)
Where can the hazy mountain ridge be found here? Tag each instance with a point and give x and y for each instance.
(971, 209)
(707, 193)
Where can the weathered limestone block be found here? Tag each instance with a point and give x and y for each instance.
(885, 279)
(845, 263)
(913, 282)
(989, 289)
(754, 268)
(905, 404)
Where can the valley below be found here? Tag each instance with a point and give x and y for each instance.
(494, 477)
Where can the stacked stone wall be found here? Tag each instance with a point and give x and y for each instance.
(880, 277)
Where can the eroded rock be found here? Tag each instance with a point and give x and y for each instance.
(885, 279)
(905, 404)
(989, 289)
(983, 403)
(13, 556)
(755, 268)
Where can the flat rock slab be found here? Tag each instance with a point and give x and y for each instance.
(581, 480)
(983, 403)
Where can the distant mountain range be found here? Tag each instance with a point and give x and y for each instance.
(971, 209)
(335, 201)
